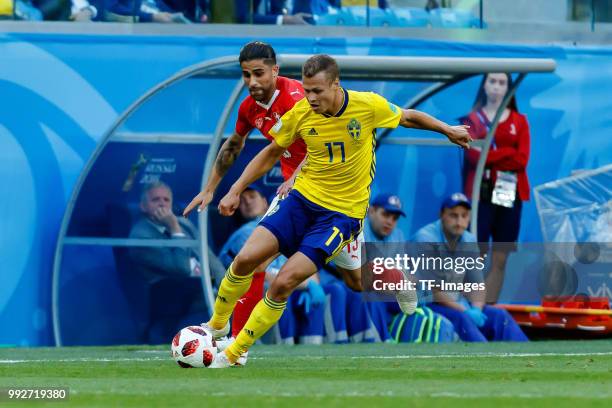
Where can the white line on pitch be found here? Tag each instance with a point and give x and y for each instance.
(105, 360)
(71, 360)
(488, 355)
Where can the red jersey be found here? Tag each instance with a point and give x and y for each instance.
(509, 150)
(253, 114)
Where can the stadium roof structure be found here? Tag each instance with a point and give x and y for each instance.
(442, 71)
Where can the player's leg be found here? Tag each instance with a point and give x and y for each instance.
(269, 310)
(500, 326)
(260, 246)
(464, 326)
(247, 302)
(314, 235)
(351, 277)
(348, 263)
(504, 232)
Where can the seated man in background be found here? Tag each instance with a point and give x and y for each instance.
(253, 204)
(142, 11)
(448, 238)
(83, 10)
(381, 222)
(53, 10)
(321, 7)
(159, 222)
(197, 11)
(168, 276)
(373, 3)
(369, 321)
(381, 227)
(272, 12)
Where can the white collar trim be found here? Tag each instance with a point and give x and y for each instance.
(267, 106)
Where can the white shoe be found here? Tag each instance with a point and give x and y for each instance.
(407, 300)
(242, 359)
(217, 334)
(220, 361)
(224, 343)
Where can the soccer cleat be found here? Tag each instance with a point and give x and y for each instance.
(242, 360)
(407, 300)
(220, 361)
(224, 343)
(217, 334)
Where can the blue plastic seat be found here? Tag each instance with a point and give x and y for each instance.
(335, 18)
(453, 18)
(411, 17)
(378, 17)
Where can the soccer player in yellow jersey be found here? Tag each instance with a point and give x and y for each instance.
(329, 200)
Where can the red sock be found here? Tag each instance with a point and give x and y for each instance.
(247, 303)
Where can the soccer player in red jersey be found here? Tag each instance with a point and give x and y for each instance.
(270, 96)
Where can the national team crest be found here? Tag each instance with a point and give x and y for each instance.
(259, 123)
(354, 129)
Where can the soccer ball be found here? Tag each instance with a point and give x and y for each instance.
(193, 347)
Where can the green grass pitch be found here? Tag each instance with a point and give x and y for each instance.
(542, 374)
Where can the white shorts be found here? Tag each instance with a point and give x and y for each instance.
(350, 256)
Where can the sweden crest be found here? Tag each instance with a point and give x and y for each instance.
(354, 129)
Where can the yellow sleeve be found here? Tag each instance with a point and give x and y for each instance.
(285, 130)
(386, 114)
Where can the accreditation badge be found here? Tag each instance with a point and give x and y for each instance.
(504, 192)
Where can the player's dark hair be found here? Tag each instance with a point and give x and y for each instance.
(321, 63)
(257, 50)
(481, 96)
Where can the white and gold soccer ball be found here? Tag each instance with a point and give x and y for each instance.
(193, 346)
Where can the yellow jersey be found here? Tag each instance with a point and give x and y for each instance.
(341, 160)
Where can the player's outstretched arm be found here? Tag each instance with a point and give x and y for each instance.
(229, 152)
(420, 120)
(284, 188)
(256, 168)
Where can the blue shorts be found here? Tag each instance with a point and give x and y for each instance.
(301, 225)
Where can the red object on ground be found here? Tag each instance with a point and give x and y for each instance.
(589, 316)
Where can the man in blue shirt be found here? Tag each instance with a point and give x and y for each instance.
(381, 222)
(368, 321)
(381, 227)
(448, 238)
(272, 12)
